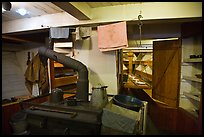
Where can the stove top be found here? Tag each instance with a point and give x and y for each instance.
(82, 111)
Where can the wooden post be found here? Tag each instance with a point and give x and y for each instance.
(130, 58)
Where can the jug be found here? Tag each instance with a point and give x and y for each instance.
(99, 96)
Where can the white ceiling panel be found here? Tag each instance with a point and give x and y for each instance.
(42, 8)
(34, 9)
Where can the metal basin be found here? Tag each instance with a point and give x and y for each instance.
(128, 102)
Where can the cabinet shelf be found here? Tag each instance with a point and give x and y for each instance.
(192, 79)
(137, 62)
(133, 85)
(57, 64)
(67, 80)
(137, 50)
(144, 75)
(194, 60)
(192, 96)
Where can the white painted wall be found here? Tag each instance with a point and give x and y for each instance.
(22, 56)
(13, 82)
(13, 70)
(149, 11)
(101, 65)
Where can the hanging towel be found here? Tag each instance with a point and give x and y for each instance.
(58, 33)
(112, 37)
(83, 32)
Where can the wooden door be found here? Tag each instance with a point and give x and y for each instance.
(166, 71)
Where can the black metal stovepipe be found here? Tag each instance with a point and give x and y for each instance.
(82, 82)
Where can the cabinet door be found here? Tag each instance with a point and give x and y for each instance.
(166, 71)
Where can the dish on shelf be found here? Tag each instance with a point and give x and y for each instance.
(147, 56)
(148, 70)
(140, 68)
(140, 56)
(199, 75)
(140, 83)
(124, 67)
(134, 57)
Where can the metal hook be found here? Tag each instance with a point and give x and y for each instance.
(140, 22)
(140, 27)
(139, 16)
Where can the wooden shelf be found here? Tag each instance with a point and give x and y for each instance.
(62, 81)
(137, 62)
(56, 64)
(132, 85)
(192, 79)
(192, 96)
(194, 60)
(149, 63)
(144, 75)
(137, 50)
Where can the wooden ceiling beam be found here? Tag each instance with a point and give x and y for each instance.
(79, 10)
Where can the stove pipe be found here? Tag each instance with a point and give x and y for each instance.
(82, 81)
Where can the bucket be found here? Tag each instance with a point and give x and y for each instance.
(18, 122)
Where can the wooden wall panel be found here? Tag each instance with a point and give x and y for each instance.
(7, 112)
(186, 123)
(165, 118)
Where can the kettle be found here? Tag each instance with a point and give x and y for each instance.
(57, 95)
(99, 96)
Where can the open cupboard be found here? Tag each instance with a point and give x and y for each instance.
(137, 68)
(152, 70)
(176, 85)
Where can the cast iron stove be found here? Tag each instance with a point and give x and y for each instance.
(67, 117)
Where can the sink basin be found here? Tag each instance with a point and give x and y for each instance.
(128, 102)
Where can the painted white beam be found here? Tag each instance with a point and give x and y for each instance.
(84, 8)
(150, 11)
(41, 22)
(79, 10)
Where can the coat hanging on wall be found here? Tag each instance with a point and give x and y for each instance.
(36, 77)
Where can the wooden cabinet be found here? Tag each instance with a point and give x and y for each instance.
(137, 67)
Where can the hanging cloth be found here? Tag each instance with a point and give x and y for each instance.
(83, 33)
(112, 36)
(58, 33)
(36, 76)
